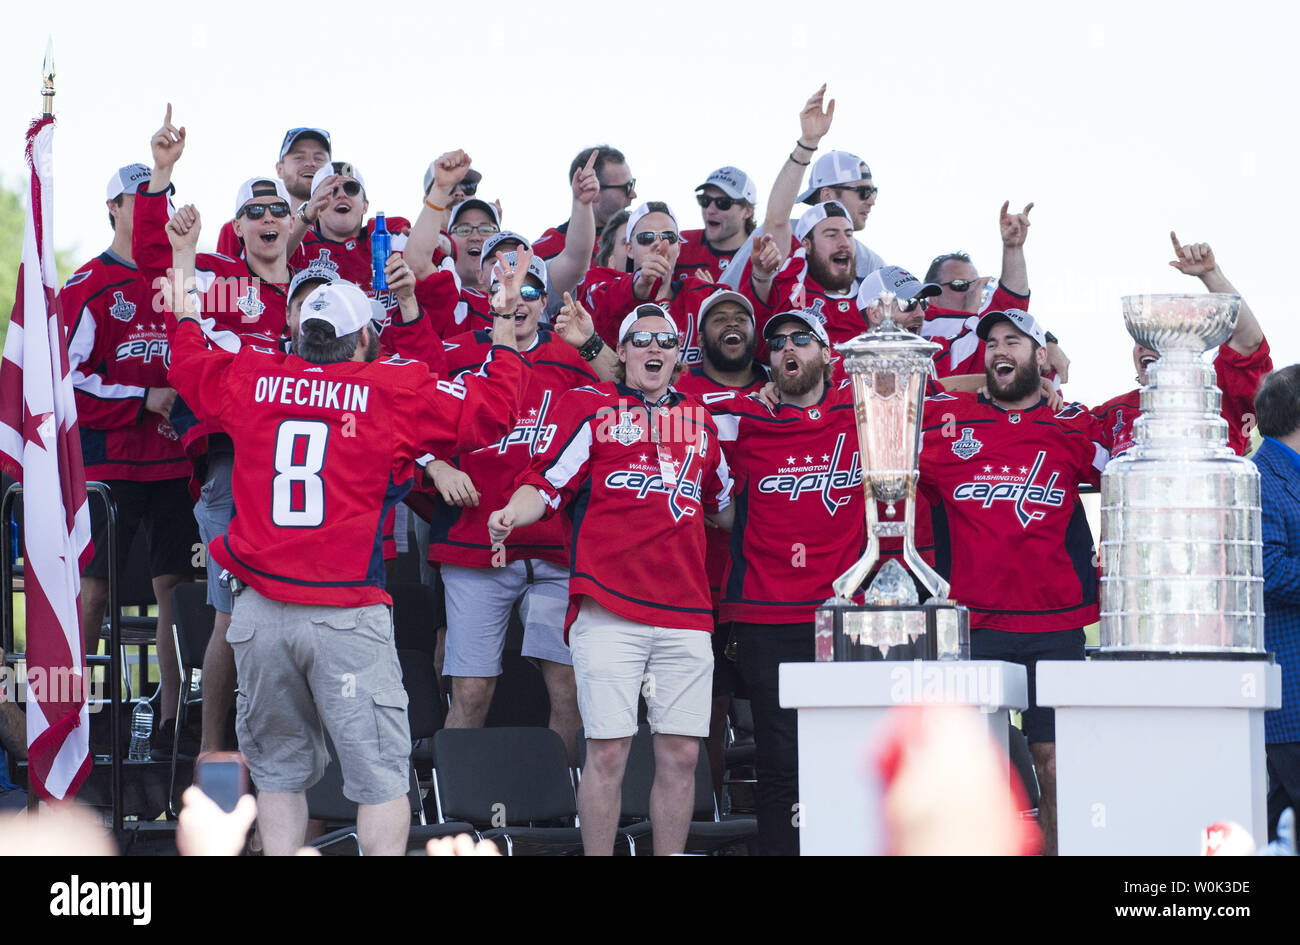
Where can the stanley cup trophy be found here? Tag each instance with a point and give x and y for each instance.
(1182, 559)
(888, 367)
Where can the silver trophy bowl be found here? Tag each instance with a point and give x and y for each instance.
(1181, 556)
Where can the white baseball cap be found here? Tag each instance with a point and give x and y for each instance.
(897, 280)
(820, 212)
(536, 266)
(1021, 321)
(806, 317)
(733, 182)
(834, 167)
(474, 203)
(644, 210)
(724, 295)
(126, 180)
(260, 187)
(341, 305)
(342, 168)
(645, 310)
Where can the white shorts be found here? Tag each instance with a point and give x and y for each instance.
(615, 660)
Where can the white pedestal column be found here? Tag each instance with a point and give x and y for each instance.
(842, 705)
(1151, 752)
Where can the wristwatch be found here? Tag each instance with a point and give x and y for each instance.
(591, 347)
(302, 215)
(1050, 338)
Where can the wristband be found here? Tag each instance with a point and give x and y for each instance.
(800, 163)
(800, 144)
(591, 347)
(434, 206)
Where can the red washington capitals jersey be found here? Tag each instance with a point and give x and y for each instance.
(794, 288)
(609, 302)
(1239, 376)
(322, 452)
(551, 243)
(950, 322)
(637, 508)
(800, 519)
(460, 535)
(351, 258)
(117, 350)
(1010, 533)
(696, 254)
(695, 383)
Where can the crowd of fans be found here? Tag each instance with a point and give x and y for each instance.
(638, 433)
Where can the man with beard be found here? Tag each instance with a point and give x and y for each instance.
(616, 189)
(1001, 473)
(799, 521)
(302, 153)
(727, 341)
(820, 277)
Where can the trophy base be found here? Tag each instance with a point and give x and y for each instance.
(848, 632)
(1215, 655)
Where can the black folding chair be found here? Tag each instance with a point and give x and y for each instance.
(513, 784)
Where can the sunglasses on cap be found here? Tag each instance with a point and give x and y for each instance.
(801, 339)
(664, 339)
(864, 191)
(529, 293)
(626, 188)
(255, 211)
(482, 229)
(959, 285)
(647, 237)
(723, 203)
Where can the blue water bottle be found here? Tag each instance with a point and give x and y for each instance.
(380, 247)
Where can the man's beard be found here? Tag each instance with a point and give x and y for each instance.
(713, 354)
(1025, 381)
(807, 378)
(820, 271)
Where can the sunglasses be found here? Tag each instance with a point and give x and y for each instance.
(723, 203)
(959, 285)
(255, 211)
(469, 189)
(529, 293)
(864, 191)
(647, 237)
(911, 305)
(350, 187)
(664, 339)
(801, 339)
(626, 188)
(482, 229)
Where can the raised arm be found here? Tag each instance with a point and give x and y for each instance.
(814, 122)
(1197, 259)
(448, 169)
(167, 144)
(1015, 228)
(575, 325)
(568, 268)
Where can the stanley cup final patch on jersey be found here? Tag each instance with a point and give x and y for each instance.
(627, 431)
(967, 446)
(121, 309)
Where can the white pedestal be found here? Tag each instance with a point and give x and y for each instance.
(1151, 752)
(842, 705)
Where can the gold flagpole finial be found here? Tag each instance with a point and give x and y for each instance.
(47, 73)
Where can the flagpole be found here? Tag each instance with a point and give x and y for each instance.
(47, 72)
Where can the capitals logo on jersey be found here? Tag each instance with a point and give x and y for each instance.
(794, 480)
(626, 432)
(986, 491)
(121, 309)
(533, 431)
(323, 261)
(967, 446)
(251, 305)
